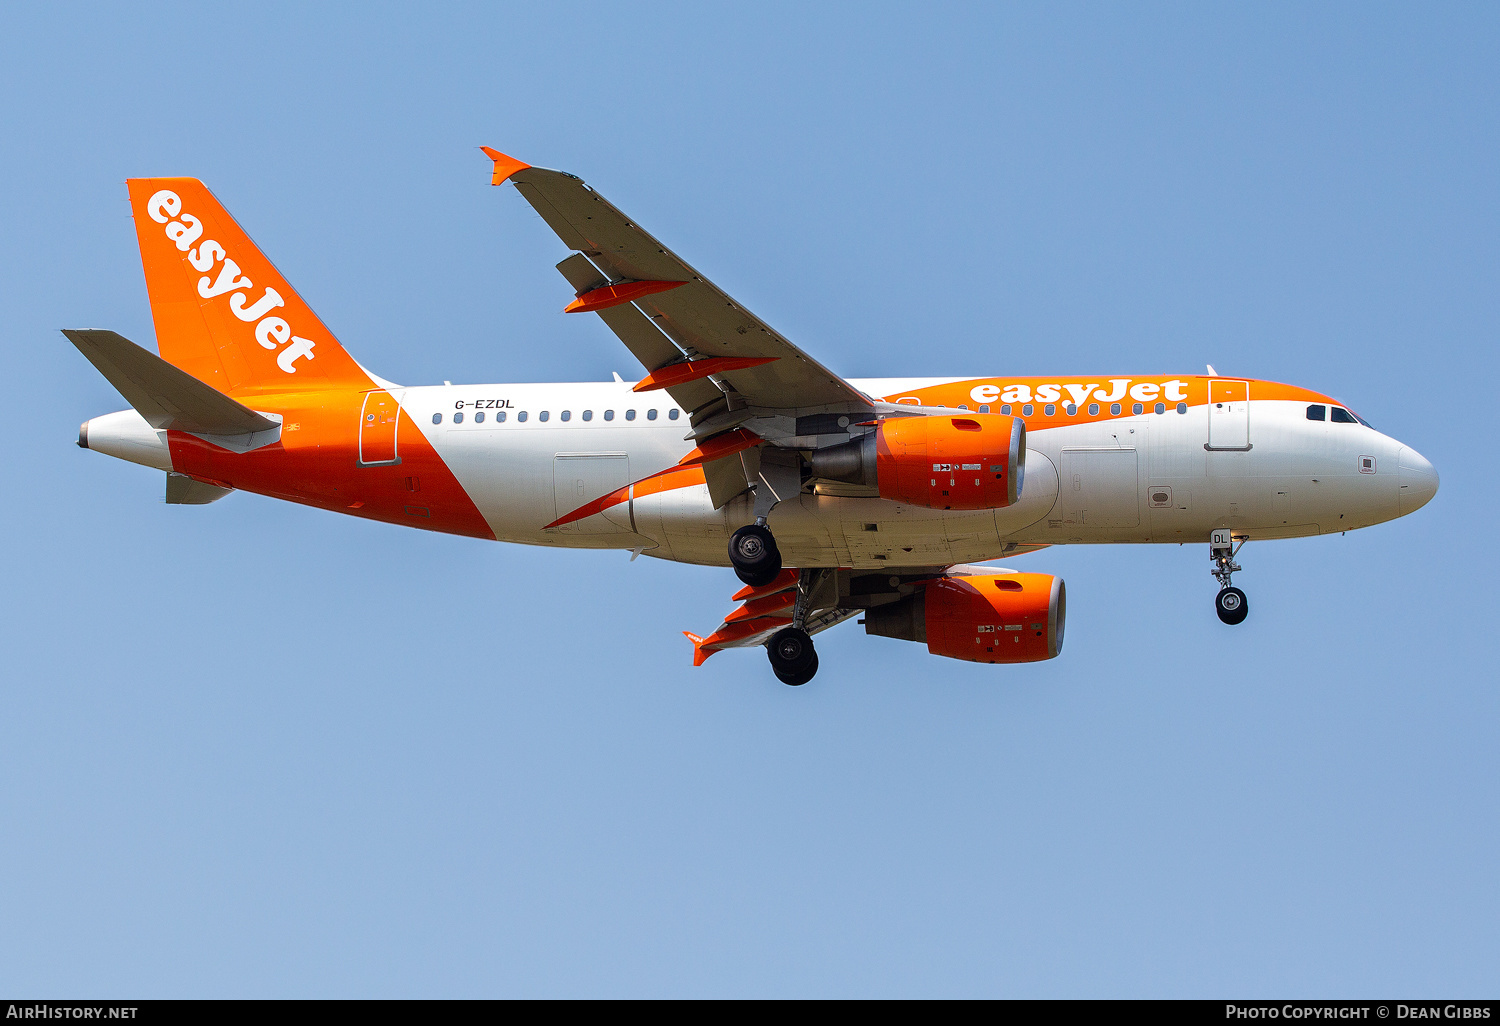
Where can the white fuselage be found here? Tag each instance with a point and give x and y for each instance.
(1143, 478)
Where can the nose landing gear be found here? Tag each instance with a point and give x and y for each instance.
(1230, 604)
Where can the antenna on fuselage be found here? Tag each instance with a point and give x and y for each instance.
(1211, 372)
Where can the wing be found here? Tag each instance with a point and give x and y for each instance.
(762, 612)
(712, 355)
(833, 596)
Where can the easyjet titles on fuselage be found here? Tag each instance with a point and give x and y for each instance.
(1173, 391)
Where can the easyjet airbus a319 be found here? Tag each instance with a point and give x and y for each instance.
(830, 497)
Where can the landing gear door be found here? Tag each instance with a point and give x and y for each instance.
(378, 419)
(1229, 415)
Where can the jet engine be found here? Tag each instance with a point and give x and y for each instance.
(973, 461)
(997, 618)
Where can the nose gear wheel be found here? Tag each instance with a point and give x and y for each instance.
(1232, 606)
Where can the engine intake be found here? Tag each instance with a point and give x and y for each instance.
(999, 618)
(972, 461)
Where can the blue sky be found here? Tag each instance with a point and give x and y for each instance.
(254, 749)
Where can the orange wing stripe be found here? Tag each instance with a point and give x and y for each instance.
(762, 607)
(744, 629)
(784, 580)
(692, 370)
(719, 446)
(606, 296)
(662, 481)
(588, 509)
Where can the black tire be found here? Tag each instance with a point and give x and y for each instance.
(791, 652)
(754, 555)
(796, 680)
(1232, 606)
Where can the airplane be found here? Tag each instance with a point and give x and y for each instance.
(831, 498)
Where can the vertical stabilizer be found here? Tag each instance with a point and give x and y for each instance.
(223, 312)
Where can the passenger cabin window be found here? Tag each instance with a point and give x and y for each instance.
(1182, 407)
(1114, 409)
(1342, 416)
(500, 417)
(479, 417)
(458, 418)
(521, 417)
(588, 414)
(609, 414)
(1005, 409)
(985, 408)
(650, 414)
(437, 418)
(1026, 410)
(565, 415)
(1161, 407)
(1137, 409)
(543, 416)
(1071, 409)
(1093, 409)
(672, 414)
(1317, 412)
(1049, 409)
(630, 415)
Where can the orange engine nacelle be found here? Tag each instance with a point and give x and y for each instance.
(973, 461)
(999, 618)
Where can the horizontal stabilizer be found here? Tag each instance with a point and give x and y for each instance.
(167, 396)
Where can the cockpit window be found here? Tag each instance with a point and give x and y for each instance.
(1317, 413)
(1342, 416)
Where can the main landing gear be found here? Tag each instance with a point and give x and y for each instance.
(757, 562)
(1231, 604)
(793, 658)
(754, 555)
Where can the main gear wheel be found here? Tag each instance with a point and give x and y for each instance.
(754, 555)
(793, 659)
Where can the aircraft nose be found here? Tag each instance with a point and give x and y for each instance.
(1419, 481)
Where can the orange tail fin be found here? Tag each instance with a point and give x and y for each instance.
(223, 312)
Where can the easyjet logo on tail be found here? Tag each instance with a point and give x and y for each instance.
(272, 332)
